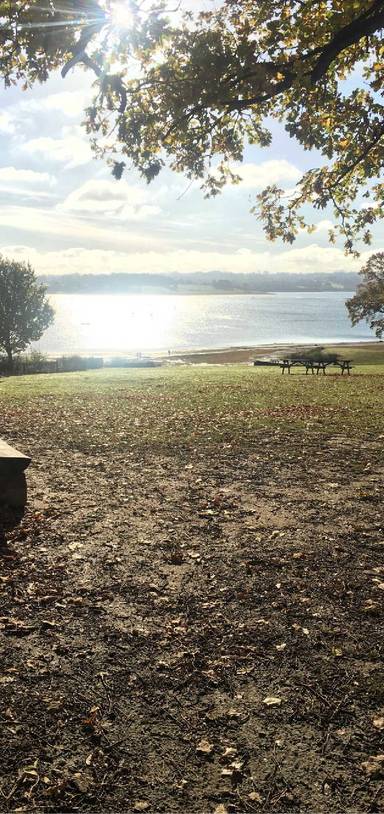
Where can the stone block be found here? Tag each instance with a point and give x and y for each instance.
(13, 486)
(13, 490)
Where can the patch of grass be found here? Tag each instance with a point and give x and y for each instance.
(368, 354)
(192, 405)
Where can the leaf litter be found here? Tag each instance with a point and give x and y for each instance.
(164, 670)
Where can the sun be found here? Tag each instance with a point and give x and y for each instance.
(121, 15)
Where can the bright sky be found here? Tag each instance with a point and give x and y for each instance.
(61, 209)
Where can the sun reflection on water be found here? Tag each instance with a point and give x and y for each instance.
(112, 324)
(116, 323)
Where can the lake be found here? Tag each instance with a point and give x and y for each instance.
(131, 323)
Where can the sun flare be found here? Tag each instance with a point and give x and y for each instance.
(121, 15)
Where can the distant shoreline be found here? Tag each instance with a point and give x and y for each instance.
(181, 293)
(233, 293)
(219, 283)
(232, 355)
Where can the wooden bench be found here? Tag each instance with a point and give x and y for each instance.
(13, 487)
(316, 365)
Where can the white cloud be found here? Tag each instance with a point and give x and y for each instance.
(315, 258)
(93, 261)
(112, 199)
(71, 150)
(7, 123)
(55, 227)
(275, 171)
(244, 252)
(70, 103)
(28, 181)
(324, 226)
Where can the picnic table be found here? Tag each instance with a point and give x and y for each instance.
(315, 365)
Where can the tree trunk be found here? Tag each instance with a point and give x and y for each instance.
(8, 351)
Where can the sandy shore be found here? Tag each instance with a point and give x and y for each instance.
(247, 354)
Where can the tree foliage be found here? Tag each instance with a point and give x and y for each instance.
(368, 302)
(25, 312)
(191, 90)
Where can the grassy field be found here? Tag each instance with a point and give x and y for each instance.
(190, 405)
(190, 612)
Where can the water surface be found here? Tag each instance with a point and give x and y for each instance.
(132, 323)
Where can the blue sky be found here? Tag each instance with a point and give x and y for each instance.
(61, 209)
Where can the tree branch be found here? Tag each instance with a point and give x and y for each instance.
(367, 23)
(359, 158)
(79, 54)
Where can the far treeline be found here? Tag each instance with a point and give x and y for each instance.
(198, 282)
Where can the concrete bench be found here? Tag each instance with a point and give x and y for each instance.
(13, 487)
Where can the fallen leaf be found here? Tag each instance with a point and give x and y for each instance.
(15, 627)
(82, 782)
(371, 606)
(271, 701)
(220, 809)
(255, 796)
(342, 732)
(32, 773)
(229, 752)
(281, 646)
(378, 723)
(204, 747)
(234, 713)
(180, 786)
(55, 704)
(141, 805)
(374, 766)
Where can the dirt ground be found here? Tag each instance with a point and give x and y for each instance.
(193, 632)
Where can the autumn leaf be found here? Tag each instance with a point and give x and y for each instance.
(204, 747)
(255, 797)
(374, 766)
